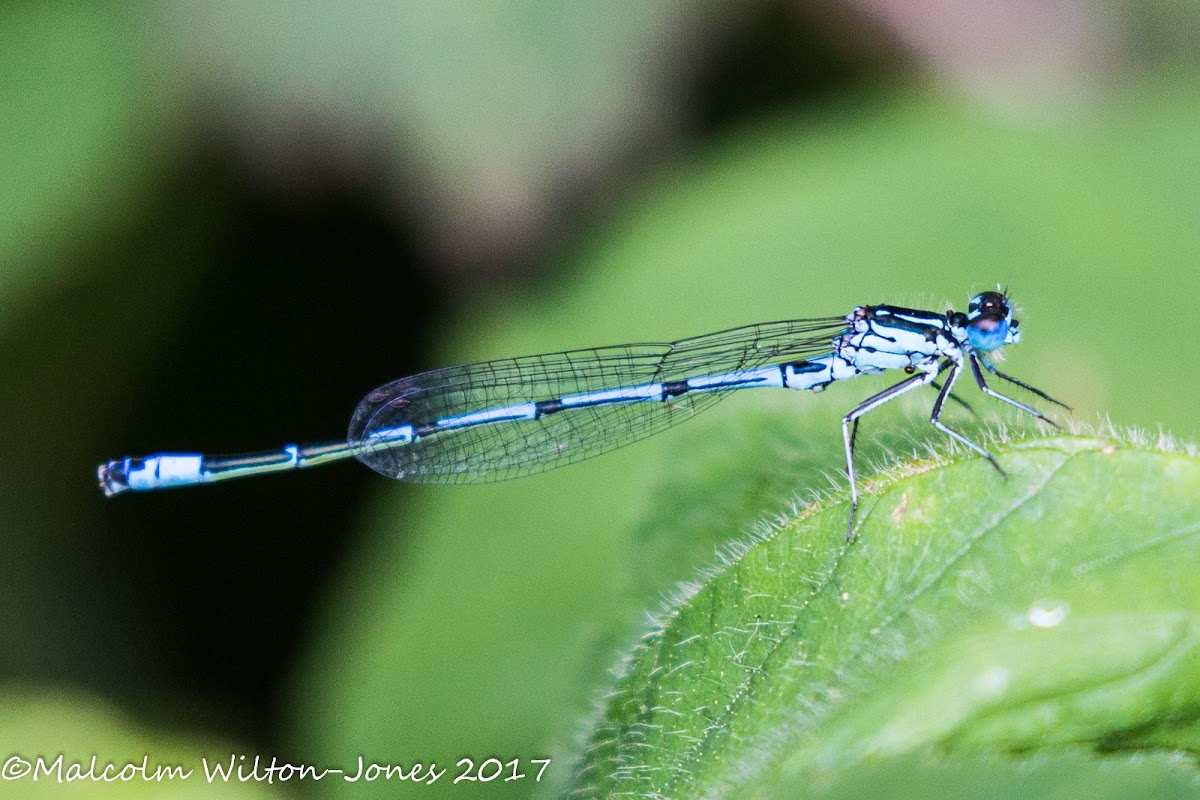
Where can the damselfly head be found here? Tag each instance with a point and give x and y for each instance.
(990, 323)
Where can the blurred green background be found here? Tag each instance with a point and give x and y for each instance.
(223, 223)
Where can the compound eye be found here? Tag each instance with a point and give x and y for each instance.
(988, 304)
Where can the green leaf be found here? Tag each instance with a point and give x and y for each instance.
(1055, 609)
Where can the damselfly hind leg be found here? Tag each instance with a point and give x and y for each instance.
(850, 430)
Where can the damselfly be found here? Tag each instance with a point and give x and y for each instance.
(516, 416)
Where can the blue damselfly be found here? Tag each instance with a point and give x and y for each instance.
(517, 416)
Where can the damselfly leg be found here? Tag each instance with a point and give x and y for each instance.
(935, 418)
(945, 391)
(983, 387)
(850, 429)
(963, 403)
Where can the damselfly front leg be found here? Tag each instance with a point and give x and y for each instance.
(975, 362)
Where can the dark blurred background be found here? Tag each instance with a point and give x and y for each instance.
(222, 223)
